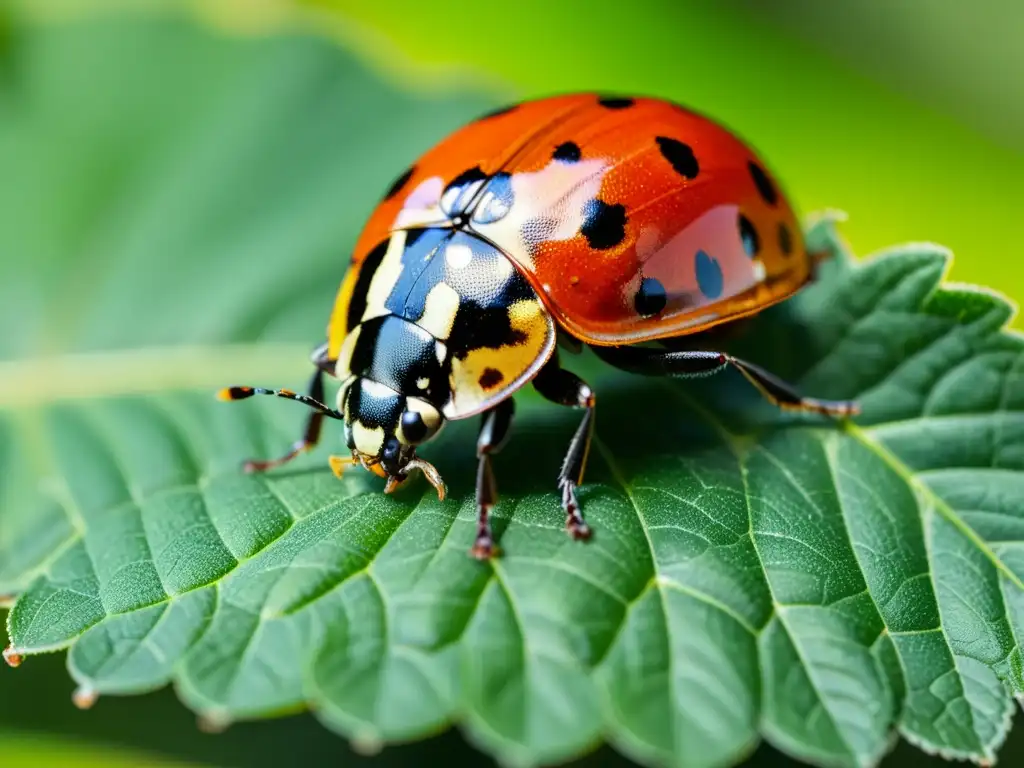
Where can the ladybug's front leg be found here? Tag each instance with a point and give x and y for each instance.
(566, 388)
(315, 420)
(493, 434)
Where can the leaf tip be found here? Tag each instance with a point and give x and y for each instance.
(984, 298)
(84, 697)
(820, 231)
(12, 657)
(213, 721)
(366, 743)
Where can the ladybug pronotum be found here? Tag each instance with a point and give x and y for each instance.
(583, 219)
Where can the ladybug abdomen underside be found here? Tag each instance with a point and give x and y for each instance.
(443, 315)
(633, 219)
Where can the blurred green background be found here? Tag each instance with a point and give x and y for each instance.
(907, 115)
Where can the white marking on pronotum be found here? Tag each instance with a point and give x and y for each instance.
(376, 389)
(385, 278)
(458, 255)
(439, 311)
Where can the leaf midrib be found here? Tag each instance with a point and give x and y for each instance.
(78, 376)
(938, 503)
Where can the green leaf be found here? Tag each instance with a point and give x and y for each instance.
(25, 751)
(825, 586)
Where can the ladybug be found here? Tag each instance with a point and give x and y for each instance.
(579, 219)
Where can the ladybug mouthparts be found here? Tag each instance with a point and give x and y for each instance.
(394, 478)
(413, 463)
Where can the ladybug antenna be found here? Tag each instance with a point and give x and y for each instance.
(241, 393)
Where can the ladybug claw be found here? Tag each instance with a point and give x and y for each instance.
(578, 529)
(484, 550)
(433, 476)
(575, 525)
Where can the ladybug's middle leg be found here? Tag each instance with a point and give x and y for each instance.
(566, 388)
(494, 431)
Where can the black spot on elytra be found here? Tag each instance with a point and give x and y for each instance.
(357, 304)
(749, 237)
(397, 184)
(498, 112)
(478, 327)
(468, 176)
(604, 225)
(764, 185)
(680, 156)
(490, 378)
(785, 239)
(650, 298)
(613, 102)
(568, 152)
(486, 323)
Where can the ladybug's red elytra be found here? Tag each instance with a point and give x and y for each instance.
(594, 220)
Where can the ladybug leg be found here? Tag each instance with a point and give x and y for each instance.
(654, 362)
(315, 421)
(494, 431)
(566, 388)
(785, 395)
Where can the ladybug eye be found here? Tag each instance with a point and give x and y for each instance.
(420, 422)
(414, 429)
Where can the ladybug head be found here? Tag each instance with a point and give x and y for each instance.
(383, 429)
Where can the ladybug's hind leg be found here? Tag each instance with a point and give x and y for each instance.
(785, 396)
(494, 431)
(566, 388)
(688, 364)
